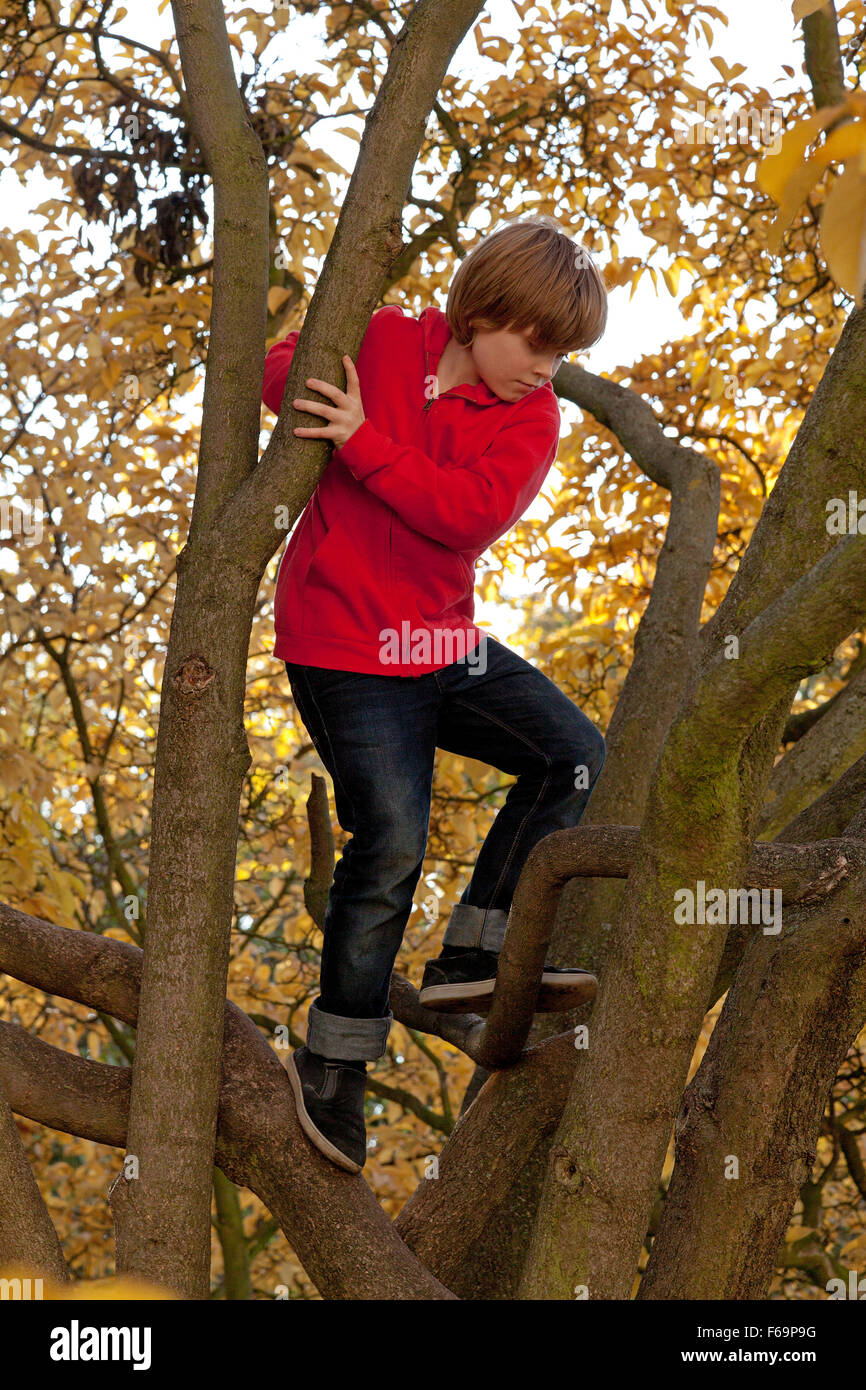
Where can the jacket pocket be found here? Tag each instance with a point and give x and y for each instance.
(341, 589)
(438, 579)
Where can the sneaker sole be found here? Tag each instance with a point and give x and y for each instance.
(471, 997)
(557, 994)
(561, 992)
(313, 1133)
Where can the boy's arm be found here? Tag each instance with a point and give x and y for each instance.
(463, 506)
(278, 359)
(466, 506)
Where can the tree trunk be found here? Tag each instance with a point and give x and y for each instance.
(611, 1145)
(746, 1135)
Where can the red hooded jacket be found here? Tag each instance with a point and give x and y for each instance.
(378, 574)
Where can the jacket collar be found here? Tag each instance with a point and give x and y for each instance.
(436, 333)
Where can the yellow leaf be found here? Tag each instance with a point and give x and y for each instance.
(497, 49)
(846, 142)
(277, 296)
(788, 178)
(728, 73)
(795, 1233)
(776, 170)
(803, 8)
(843, 232)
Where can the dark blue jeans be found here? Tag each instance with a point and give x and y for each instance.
(377, 736)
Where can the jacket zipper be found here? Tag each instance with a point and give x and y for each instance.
(452, 391)
(428, 405)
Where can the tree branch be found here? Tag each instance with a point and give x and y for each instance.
(795, 1007)
(835, 741)
(800, 723)
(231, 411)
(27, 1234)
(318, 883)
(367, 238)
(823, 60)
(665, 643)
(341, 1235)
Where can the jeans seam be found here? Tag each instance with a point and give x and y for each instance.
(515, 733)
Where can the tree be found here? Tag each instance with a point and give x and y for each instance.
(696, 719)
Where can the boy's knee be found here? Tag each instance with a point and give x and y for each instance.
(598, 757)
(399, 841)
(586, 767)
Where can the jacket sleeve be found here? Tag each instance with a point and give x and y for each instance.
(463, 506)
(278, 359)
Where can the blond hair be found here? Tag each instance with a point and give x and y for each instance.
(529, 273)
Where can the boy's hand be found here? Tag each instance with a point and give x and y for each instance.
(344, 417)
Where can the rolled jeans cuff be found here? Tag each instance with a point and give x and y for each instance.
(346, 1039)
(482, 927)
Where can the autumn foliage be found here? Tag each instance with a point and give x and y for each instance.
(107, 274)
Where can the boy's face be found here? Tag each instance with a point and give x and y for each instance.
(511, 361)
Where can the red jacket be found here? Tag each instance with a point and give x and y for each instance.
(378, 574)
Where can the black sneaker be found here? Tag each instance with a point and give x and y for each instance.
(564, 987)
(329, 1097)
(464, 984)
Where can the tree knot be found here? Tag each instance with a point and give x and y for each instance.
(393, 239)
(565, 1169)
(193, 676)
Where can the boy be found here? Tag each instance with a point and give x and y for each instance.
(444, 435)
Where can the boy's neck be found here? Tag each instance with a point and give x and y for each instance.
(456, 367)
